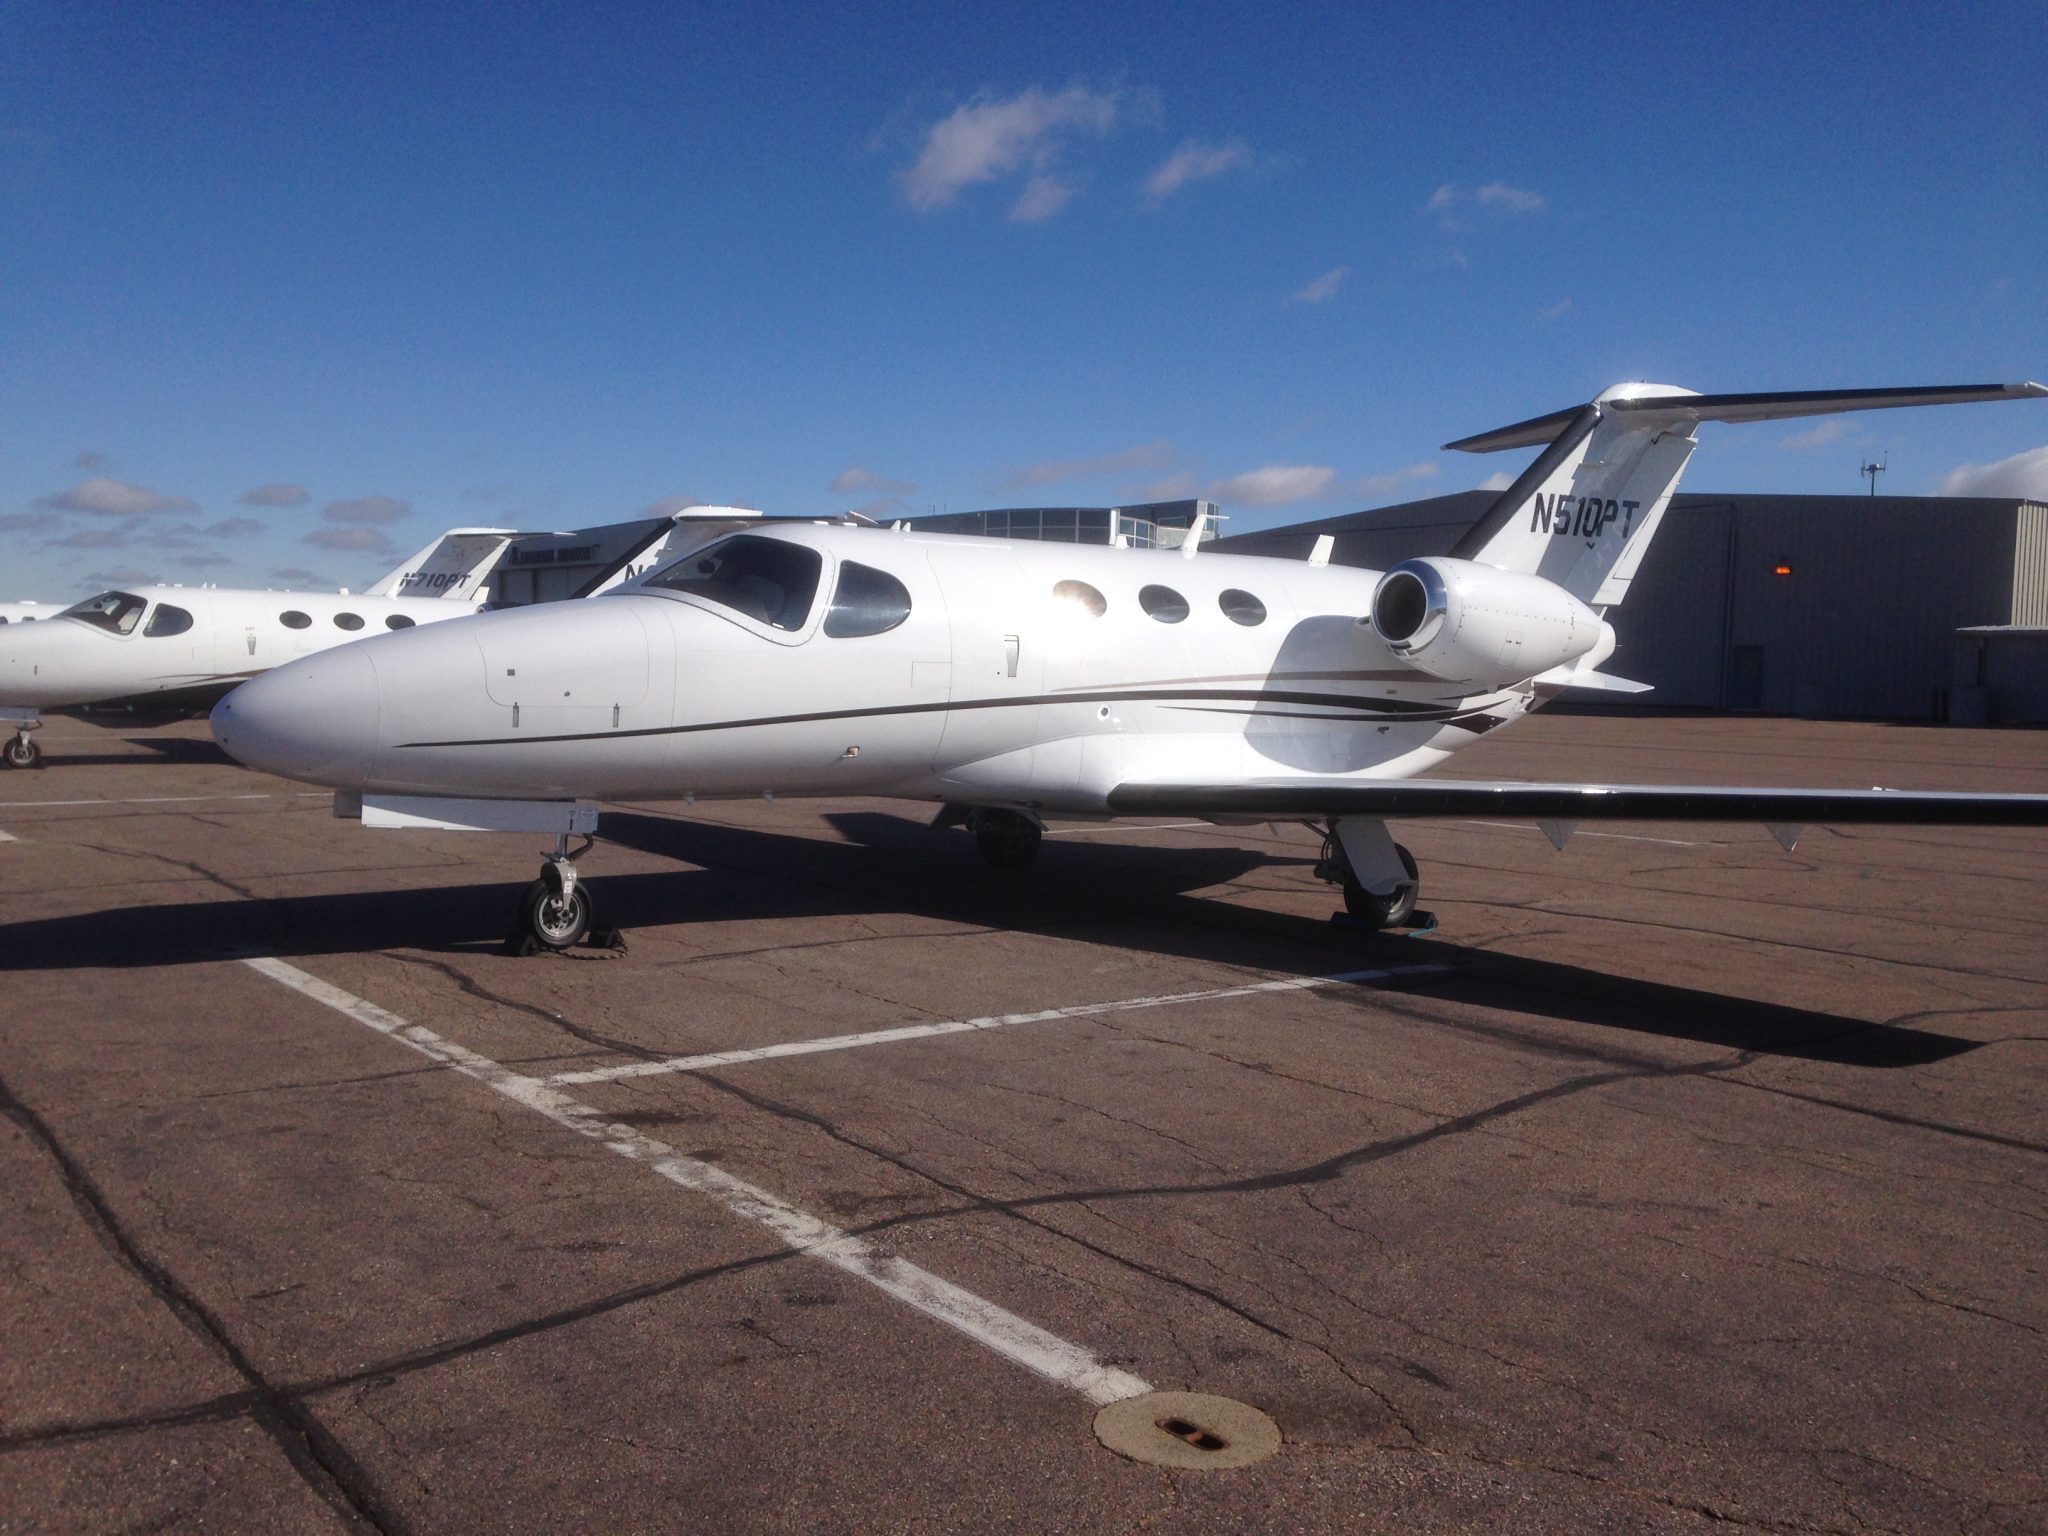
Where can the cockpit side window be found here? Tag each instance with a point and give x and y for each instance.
(115, 612)
(167, 620)
(769, 580)
(866, 602)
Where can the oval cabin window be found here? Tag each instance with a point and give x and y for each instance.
(1241, 607)
(1163, 603)
(398, 621)
(291, 618)
(866, 602)
(348, 621)
(1081, 595)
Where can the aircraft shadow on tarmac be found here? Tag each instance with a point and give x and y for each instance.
(169, 749)
(1132, 897)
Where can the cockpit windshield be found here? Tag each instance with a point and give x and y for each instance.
(771, 581)
(115, 612)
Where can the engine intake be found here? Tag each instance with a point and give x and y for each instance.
(1470, 623)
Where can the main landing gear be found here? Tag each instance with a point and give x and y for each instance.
(1378, 876)
(554, 911)
(1006, 839)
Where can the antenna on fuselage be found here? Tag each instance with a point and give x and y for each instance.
(1196, 526)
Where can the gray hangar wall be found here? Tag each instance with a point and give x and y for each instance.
(1861, 622)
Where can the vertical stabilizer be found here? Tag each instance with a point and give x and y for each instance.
(456, 565)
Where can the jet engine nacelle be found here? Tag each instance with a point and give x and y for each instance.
(1470, 623)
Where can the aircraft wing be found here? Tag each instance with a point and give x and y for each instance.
(1303, 798)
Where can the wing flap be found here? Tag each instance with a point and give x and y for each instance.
(1292, 799)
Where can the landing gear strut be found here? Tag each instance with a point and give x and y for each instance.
(1348, 844)
(554, 913)
(1007, 839)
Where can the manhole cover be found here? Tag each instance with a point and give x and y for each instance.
(1187, 1429)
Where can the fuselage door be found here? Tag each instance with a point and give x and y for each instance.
(998, 672)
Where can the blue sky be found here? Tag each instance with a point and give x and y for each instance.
(287, 289)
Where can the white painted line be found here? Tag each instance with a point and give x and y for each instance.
(300, 794)
(1069, 1365)
(8, 837)
(962, 1026)
(1619, 837)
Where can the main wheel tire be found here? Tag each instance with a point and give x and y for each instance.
(1007, 839)
(22, 752)
(1391, 910)
(555, 921)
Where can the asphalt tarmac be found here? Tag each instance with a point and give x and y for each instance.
(1673, 1183)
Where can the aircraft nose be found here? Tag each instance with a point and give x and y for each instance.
(315, 719)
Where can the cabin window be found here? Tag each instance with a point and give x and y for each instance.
(771, 581)
(291, 618)
(167, 620)
(1081, 595)
(866, 602)
(398, 621)
(1241, 607)
(348, 621)
(115, 612)
(1163, 603)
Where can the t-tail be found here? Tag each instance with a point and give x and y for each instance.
(456, 565)
(1583, 514)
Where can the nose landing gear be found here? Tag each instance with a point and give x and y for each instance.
(22, 752)
(555, 911)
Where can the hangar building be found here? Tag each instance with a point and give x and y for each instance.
(1872, 607)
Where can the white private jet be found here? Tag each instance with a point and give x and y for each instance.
(1008, 680)
(178, 649)
(25, 612)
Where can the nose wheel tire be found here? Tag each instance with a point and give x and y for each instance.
(1388, 911)
(23, 753)
(555, 920)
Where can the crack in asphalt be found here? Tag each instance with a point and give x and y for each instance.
(311, 1449)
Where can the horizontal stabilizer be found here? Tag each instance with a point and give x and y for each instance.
(1598, 682)
(1750, 407)
(1302, 798)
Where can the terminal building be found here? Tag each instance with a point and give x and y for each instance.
(1910, 608)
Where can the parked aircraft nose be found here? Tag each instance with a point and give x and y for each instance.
(315, 719)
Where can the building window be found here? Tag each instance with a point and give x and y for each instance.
(1241, 607)
(866, 602)
(1081, 595)
(348, 621)
(398, 621)
(1163, 603)
(167, 620)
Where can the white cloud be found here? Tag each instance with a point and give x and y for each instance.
(233, 528)
(275, 494)
(1323, 288)
(1499, 480)
(1371, 486)
(1555, 311)
(1043, 197)
(884, 508)
(97, 538)
(1275, 485)
(120, 576)
(855, 481)
(1051, 471)
(2024, 474)
(1831, 430)
(990, 138)
(1498, 194)
(114, 498)
(1194, 162)
(354, 541)
(365, 509)
(1442, 200)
